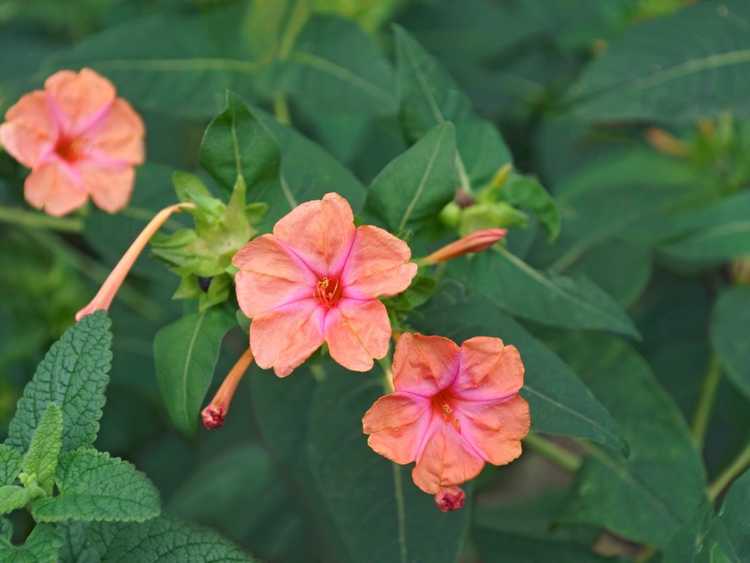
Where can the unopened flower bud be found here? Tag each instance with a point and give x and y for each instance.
(214, 414)
(470, 244)
(667, 143)
(450, 499)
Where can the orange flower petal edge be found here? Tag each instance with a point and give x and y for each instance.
(452, 410)
(79, 140)
(317, 278)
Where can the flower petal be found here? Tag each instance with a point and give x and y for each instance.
(30, 131)
(53, 188)
(378, 264)
(285, 337)
(495, 429)
(446, 459)
(424, 364)
(396, 424)
(320, 232)
(80, 98)
(269, 277)
(110, 186)
(118, 137)
(489, 370)
(357, 332)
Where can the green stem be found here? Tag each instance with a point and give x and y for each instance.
(35, 220)
(740, 463)
(702, 415)
(281, 110)
(556, 454)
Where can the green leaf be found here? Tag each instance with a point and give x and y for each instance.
(171, 63)
(642, 76)
(429, 97)
(10, 464)
(499, 546)
(731, 317)
(43, 453)
(551, 299)
(560, 403)
(42, 546)
(13, 497)
(651, 494)
(337, 67)
(712, 538)
(185, 353)
(715, 233)
(96, 487)
(412, 189)
(247, 140)
(160, 540)
(73, 375)
(378, 512)
(527, 193)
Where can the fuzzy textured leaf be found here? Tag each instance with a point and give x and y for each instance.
(42, 546)
(10, 464)
(43, 453)
(73, 375)
(162, 540)
(96, 487)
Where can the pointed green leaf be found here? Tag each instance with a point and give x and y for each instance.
(96, 487)
(551, 299)
(336, 65)
(560, 403)
(527, 193)
(651, 494)
(176, 64)
(42, 546)
(729, 323)
(160, 540)
(245, 139)
(73, 375)
(185, 353)
(13, 497)
(413, 188)
(642, 76)
(377, 510)
(10, 464)
(41, 458)
(429, 97)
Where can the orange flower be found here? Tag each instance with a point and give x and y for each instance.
(470, 244)
(78, 139)
(453, 409)
(317, 279)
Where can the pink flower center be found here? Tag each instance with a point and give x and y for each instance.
(70, 150)
(328, 291)
(443, 404)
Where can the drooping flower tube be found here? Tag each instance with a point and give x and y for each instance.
(453, 409)
(79, 139)
(107, 292)
(477, 241)
(316, 279)
(214, 414)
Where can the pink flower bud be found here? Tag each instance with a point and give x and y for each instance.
(450, 499)
(475, 242)
(214, 414)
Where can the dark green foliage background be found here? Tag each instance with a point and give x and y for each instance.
(394, 104)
